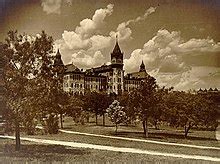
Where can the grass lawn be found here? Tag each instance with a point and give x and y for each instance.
(46, 153)
(167, 134)
(41, 153)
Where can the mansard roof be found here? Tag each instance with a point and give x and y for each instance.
(72, 68)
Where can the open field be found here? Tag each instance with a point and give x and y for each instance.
(37, 152)
(41, 153)
(165, 133)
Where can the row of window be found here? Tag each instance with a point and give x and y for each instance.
(129, 88)
(74, 77)
(110, 80)
(73, 85)
(132, 82)
(78, 77)
(94, 87)
(94, 79)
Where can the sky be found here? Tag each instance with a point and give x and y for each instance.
(179, 41)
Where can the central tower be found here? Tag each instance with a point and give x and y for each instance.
(117, 67)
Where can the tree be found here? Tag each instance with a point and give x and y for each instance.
(159, 107)
(142, 100)
(116, 114)
(97, 102)
(189, 110)
(75, 109)
(28, 58)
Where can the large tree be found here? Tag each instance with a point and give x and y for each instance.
(28, 58)
(190, 110)
(142, 100)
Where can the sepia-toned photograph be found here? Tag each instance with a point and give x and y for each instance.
(109, 81)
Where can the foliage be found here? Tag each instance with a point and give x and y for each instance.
(97, 102)
(28, 75)
(75, 110)
(116, 113)
(142, 101)
(189, 110)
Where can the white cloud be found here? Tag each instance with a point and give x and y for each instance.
(82, 59)
(74, 40)
(86, 38)
(163, 55)
(166, 49)
(195, 78)
(202, 45)
(53, 6)
(141, 18)
(89, 26)
(100, 42)
(124, 32)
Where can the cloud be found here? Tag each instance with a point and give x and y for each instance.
(167, 49)
(165, 57)
(81, 59)
(86, 38)
(124, 32)
(141, 18)
(88, 26)
(84, 35)
(195, 78)
(74, 40)
(53, 6)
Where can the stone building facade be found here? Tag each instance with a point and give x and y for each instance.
(109, 78)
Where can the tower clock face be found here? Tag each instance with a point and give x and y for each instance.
(113, 60)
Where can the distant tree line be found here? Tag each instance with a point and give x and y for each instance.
(34, 94)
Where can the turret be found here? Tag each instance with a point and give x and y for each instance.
(117, 55)
(58, 60)
(117, 77)
(59, 67)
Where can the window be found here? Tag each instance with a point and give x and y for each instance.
(119, 73)
(80, 85)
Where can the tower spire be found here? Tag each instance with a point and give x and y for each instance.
(142, 67)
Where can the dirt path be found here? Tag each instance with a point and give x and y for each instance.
(117, 149)
(142, 140)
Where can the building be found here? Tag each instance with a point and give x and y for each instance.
(109, 78)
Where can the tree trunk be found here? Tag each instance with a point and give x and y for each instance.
(96, 119)
(146, 134)
(103, 121)
(17, 135)
(144, 127)
(186, 131)
(155, 124)
(87, 118)
(116, 128)
(61, 120)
